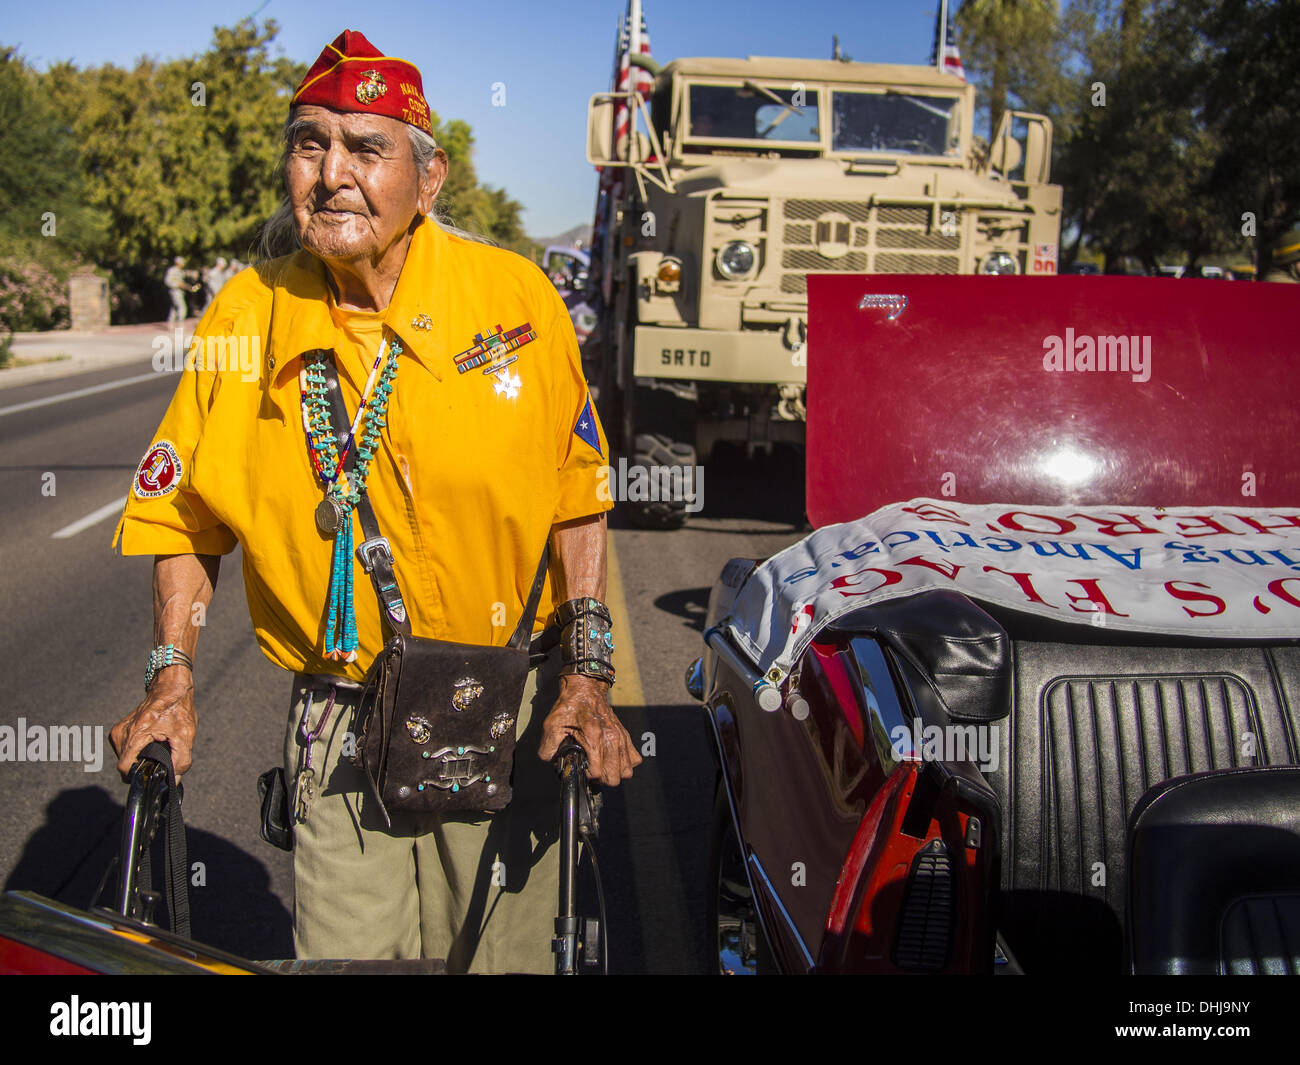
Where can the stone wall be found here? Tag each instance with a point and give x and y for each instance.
(88, 302)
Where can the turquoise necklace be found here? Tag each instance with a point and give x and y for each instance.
(343, 491)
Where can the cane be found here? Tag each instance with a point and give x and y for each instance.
(577, 943)
(153, 792)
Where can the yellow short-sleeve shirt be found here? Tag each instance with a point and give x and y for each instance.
(488, 443)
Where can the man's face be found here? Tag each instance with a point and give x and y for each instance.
(353, 184)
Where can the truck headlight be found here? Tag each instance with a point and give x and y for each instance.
(736, 259)
(999, 262)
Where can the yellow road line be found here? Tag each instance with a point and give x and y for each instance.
(627, 689)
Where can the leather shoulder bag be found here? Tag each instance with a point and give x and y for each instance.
(437, 718)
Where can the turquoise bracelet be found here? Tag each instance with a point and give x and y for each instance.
(162, 656)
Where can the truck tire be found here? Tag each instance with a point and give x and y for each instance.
(651, 450)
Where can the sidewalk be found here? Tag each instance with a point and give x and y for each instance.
(86, 352)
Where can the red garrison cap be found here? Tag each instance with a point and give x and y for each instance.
(353, 75)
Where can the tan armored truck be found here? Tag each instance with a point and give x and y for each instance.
(742, 176)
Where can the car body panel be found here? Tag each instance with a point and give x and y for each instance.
(1222, 398)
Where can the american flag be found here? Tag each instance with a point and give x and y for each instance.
(950, 62)
(632, 37)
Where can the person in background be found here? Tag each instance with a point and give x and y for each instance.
(176, 284)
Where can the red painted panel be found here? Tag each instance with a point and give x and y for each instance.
(18, 959)
(956, 385)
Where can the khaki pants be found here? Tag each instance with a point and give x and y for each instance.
(481, 894)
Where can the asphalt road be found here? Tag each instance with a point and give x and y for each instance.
(76, 625)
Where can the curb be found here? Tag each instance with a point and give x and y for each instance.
(89, 351)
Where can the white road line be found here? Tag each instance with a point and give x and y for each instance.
(94, 518)
(34, 403)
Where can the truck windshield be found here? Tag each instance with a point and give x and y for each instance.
(753, 112)
(895, 122)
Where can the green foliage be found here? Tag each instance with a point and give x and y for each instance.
(178, 158)
(1197, 126)
(31, 296)
(47, 228)
(164, 159)
(1004, 45)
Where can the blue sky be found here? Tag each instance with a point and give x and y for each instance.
(551, 57)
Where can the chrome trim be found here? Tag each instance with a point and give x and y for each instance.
(758, 867)
(764, 691)
(695, 679)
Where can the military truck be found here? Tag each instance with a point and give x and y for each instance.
(738, 178)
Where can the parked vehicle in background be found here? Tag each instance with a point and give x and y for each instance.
(742, 176)
(567, 268)
(1172, 271)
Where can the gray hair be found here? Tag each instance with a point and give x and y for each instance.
(279, 235)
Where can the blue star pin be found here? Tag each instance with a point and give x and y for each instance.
(585, 428)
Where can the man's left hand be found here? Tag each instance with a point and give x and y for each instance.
(583, 712)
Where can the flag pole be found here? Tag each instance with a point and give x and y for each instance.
(941, 36)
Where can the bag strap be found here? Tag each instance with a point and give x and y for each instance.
(177, 867)
(376, 554)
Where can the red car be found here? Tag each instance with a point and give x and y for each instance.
(1028, 698)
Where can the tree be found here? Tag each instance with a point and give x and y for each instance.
(1177, 121)
(48, 229)
(1249, 94)
(179, 158)
(1001, 43)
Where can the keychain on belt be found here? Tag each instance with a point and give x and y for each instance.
(304, 790)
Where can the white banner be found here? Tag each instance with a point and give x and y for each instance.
(1201, 571)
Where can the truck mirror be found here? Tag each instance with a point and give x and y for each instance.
(600, 130)
(1038, 149)
(1006, 153)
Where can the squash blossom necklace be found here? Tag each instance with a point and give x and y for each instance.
(343, 492)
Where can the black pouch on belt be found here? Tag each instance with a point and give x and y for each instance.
(277, 824)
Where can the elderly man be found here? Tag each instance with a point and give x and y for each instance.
(473, 468)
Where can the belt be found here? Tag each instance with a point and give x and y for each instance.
(329, 680)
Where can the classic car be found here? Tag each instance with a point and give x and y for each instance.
(1025, 700)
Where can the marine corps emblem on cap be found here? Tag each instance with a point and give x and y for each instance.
(352, 75)
(372, 88)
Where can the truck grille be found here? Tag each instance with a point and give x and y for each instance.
(808, 260)
(893, 240)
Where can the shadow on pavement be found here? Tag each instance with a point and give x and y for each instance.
(234, 909)
(690, 604)
(764, 488)
(654, 846)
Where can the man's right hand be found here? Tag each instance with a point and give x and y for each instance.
(167, 715)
